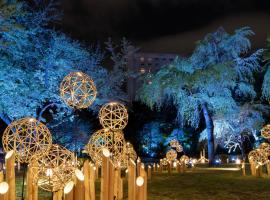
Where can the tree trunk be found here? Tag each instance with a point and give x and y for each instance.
(210, 134)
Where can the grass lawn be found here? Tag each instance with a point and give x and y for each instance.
(197, 185)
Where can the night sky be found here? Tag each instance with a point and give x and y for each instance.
(171, 26)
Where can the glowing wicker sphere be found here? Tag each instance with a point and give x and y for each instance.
(130, 151)
(164, 161)
(184, 159)
(257, 157)
(265, 132)
(27, 137)
(112, 140)
(78, 90)
(265, 147)
(171, 155)
(174, 143)
(113, 116)
(55, 169)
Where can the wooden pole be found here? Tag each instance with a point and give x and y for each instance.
(1, 176)
(111, 181)
(29, 181)
(138, 166)
(149, 172)
(86, 172)
(169, 166)
(57, 195)
(97, 171)
(268, 168)
(259, 171)
(104, 192)
(69, 191)
(144, 186)
(243, 168)
(120, 188)
(79, 185)
(131, 180)
(139, 188)
(10, 174)
(92, 182)
(4, 191)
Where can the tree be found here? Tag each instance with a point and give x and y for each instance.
(266, 81)
(34, 60)
(211, 82)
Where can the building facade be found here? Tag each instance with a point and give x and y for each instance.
(143, 63)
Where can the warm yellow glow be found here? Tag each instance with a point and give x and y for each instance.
(106, 152)
(49, 172)
(139, 181)
(68, 188)
(171, 155)
(4, 187)
(9, 154)
(174, 164)
(79, 175)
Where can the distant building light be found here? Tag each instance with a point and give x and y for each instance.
(142, 70)
(142, 59)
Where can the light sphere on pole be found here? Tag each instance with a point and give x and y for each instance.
(113, 116)
(265, 132)
(257, 157)
(55, 169)
(78, 90)
(27, 137)
(171, 155)
(113, 141)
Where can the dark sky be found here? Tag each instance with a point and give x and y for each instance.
(163, 25)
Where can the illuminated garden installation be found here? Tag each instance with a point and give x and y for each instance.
(86, 115)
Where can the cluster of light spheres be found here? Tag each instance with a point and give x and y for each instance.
(257, 157)
(112, 140)
(78, 90)
(171, 155)
(54, 170)
(265, 132)
(113, 116)
(164, 161)
(27, 137)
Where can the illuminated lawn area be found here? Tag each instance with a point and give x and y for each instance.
(209, 185)
(198, 185)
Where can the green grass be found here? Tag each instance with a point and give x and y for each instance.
(197, 185)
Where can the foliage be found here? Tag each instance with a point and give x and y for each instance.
(216, 73)
(266, 81)
(35, 59)
(241, 127)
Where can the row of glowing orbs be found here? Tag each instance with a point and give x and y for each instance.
(31, 142)
(261, 155)
(78, 91)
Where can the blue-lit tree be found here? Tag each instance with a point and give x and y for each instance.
(266, 82)
(211, 82)
(35, 58)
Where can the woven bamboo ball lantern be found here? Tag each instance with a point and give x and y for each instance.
(164, 161)
(265, 147)
(55, 169)
(113, 116)
(27, 137)
(78, 90)
(184, 159)
(174, 143)
(171, 155)
(257, 157)
(129, 153)
(179, 148)
(112, 140)
(265, 132)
